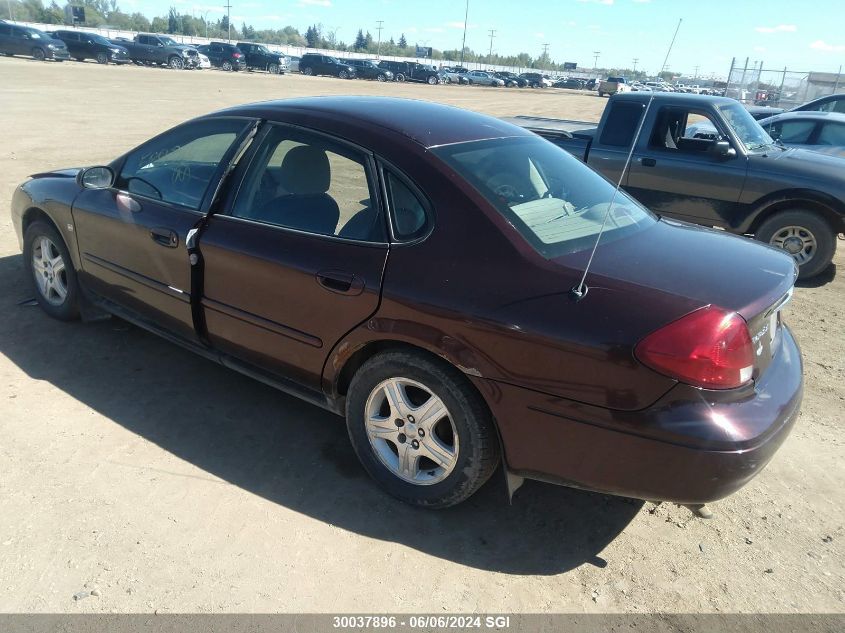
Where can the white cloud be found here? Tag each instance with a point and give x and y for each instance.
(570, 23)
(433, 29)
(759, 49)
(540, 36)
(460, 25)
(608, 2)
(821, 45)
(642, 1)
(780, 28)
(315, 3)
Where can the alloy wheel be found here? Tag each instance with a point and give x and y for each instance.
(176, 63)
(227, 66)
(49, 270)
(102, 58)
(797, 241)
(38, 54)
(411, 431)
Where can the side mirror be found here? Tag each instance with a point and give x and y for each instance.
(723, 150)
(96, 178)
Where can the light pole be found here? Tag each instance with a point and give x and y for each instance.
(636, 59)
(464, 43)
(228, 7)
(379, 28)
(545, 53)
(490, 55)
(205, 19)
(11, 17)
(596, 58)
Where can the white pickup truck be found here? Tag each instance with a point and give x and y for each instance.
(612, 85)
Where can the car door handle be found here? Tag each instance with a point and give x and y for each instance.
(648, 162)
(164, 237)
(340, 282)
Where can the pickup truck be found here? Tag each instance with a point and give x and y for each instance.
(259, 57)
(160, 49)
(612, 85)
(739, 180)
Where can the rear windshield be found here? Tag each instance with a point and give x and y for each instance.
(556, 202)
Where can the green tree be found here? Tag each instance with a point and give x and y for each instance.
(403, 43)
(360, 43)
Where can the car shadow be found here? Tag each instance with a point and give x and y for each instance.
(287, 451)
(822, 279)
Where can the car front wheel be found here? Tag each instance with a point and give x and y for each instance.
(102, 58)
(420, 429)
(176, 63)
(38, 54)
(432, 81)
(343, 74)
(273, 69)
(804, 235)
(51, 272)
(381, 77)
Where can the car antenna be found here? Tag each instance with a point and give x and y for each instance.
(580, 291)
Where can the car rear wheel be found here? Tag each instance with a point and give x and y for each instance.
(38, 54)
(432, 81)
(51, 272)
(227, 66)
(400, 77)
(420, 430)
(307, 71)
(176, 63)
(102, 58)
(804, 235)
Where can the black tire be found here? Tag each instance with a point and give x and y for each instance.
(227, 66)
(814, 224)
(469, 82)
(38, 54)
(273, 69)
(400, 77)
(307, 71)
(478, 449)
(343, 74)
(176, 62)
(102, 58)
(68, 310)
(432, 81)
(381, 77)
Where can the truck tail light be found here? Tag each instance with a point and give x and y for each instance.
(237, 55)
(709, 348)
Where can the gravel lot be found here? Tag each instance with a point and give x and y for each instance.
(156, 480)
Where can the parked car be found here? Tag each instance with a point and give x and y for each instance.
(161, 50)
(536, 80)
(454, 75)
(662, 382)
(225, 56)
(741, 181)
(820, 131)
(482, 78)
(367, 69)
(412, 71)
(317, 64)
(259, 57)
(25, 40)
(293, 63)
(830, 103)
(512, 80)
(612, 85)
(573, 84)
(82, 46)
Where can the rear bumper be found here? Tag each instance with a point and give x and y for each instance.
(689, 447)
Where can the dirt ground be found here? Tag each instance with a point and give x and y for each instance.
(159, 481)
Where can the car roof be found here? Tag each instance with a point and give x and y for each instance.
(358, 118)
(681, 97)
(809, 115)
(825, 99)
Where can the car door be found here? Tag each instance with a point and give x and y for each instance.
(683, 177)
(295, 259)
(20, 42)
(132, 236)
(5, 38)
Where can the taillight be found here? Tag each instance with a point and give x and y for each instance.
(709, 348)
(237, 55)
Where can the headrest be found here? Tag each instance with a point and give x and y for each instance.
(306, 171)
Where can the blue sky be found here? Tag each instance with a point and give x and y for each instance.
(804, 35)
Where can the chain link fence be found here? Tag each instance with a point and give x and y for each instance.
(753, 84)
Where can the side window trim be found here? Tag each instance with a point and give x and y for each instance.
(385, 168)
(244, 167)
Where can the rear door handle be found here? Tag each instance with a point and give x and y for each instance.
(648, 162)
(340, 282)
(164, 237)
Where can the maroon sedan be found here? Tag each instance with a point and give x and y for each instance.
(410, 265)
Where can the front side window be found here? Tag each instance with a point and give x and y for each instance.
(554, 201)
(684, 131)
(747, 130)
(308, 183)
(792, 132)
(178, 166)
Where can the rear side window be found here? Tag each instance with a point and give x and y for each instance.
(408, 215)
(832, 134)
(621, 124)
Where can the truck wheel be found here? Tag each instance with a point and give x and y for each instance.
(803, 234)
(38, 54)
(432, 81)
(420, 429)
(273, 69)
(400, 77)
(176, 63)
(102, 58)
(307, 71)
(227, 66)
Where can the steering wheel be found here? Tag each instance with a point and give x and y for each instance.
(154, 189)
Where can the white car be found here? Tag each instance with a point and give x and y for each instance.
(204, 61)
